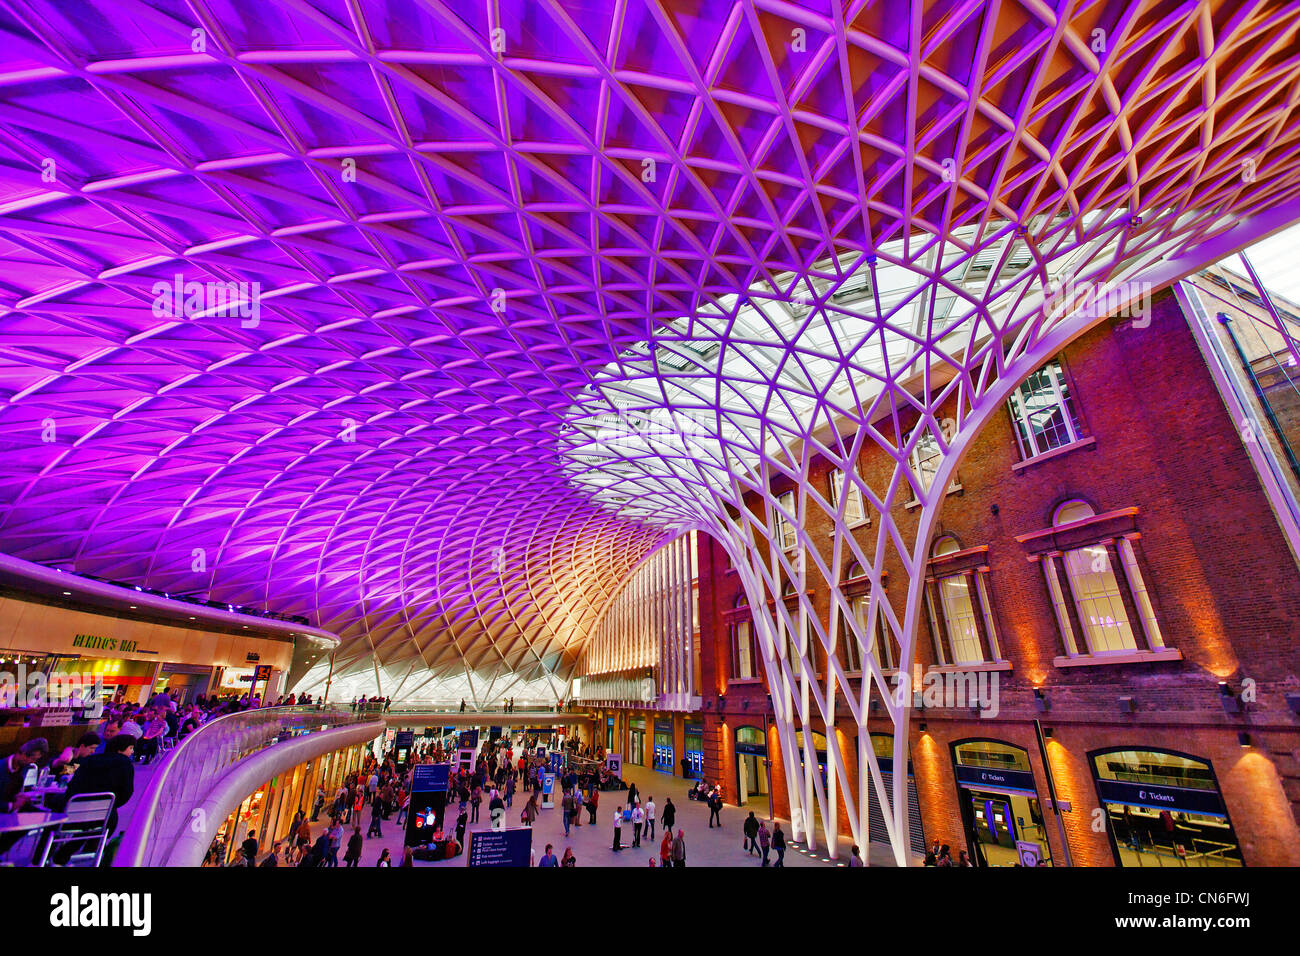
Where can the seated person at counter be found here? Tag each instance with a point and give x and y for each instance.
(71, 757)
(129, 726)
(155, 728)
(13, 770)
(109, 772)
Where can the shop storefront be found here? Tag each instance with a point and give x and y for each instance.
(1164, 809)
(751, 769)
(999, 804)
(270, 810)
(664, 751)
(693, 745)
(636, 741)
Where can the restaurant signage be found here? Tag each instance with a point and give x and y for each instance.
(96, 643)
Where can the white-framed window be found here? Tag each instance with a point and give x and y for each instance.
(784, 526)
(1095, 587)
(744, 660)
(1043, 412)
(959, 607)
(855, 509)
(877, 644)
(926, 458)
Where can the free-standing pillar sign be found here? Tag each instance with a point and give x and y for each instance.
(429, 785)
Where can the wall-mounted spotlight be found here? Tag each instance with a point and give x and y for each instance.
(1243, 738)
(924, 726)
(1049, 733)
(1127, 705)
(1231, 703)
(1040, 701)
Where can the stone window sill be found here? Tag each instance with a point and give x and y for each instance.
(962, 668)
(1123, 657)
(1079, 445)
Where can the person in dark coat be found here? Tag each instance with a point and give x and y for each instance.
(670, 814)
(109, 772)
(353, 855)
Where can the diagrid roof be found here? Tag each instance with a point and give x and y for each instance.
(443, 220)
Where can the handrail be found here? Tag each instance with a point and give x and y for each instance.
(200, 759)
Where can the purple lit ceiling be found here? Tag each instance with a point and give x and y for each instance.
(457, 215)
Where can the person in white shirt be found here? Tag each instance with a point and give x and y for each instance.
(618, 828)
(650, 816)
(638, 821)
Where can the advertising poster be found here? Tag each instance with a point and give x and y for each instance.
(428, 802)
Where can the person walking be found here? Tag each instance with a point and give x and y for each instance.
(666, 849)
(778, 844)
(855, 857)
(750, 829)
(474, 801)
(577, 806)
(376, 818)
(679, 849)
(670, 814)
(618, 829)
(764, 840)
(529, 815)
(650, 816)
(548, 858)
(567, 806)
(592, 802)
(569, 859)
(638, 821)
(355, 842)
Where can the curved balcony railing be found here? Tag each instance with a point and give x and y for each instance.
(186, 773)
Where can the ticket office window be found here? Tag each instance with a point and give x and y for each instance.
(1164, 809)
(999, 803)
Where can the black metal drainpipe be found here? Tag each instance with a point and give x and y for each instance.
(1259, 394)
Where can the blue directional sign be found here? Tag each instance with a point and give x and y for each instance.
(510, 847)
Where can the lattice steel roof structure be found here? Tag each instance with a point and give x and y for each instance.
(329, 306)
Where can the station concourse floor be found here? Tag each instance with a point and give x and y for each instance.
(593, 845)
